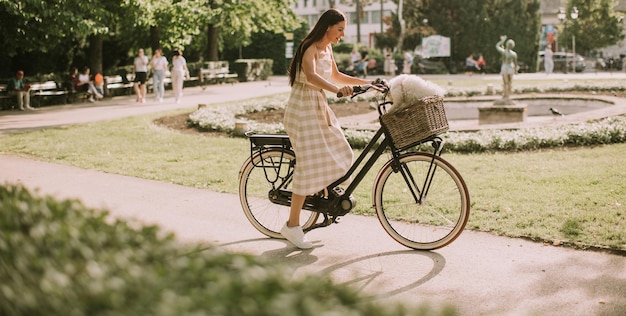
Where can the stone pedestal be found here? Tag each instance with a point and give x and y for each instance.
(502, 114)
(490, 90)
(241, 127)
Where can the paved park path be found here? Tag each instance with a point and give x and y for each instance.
(479, 273)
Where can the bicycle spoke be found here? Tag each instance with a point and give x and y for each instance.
(441, 213)
(260, 175)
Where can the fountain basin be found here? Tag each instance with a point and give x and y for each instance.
(502, 114)
(468, 109)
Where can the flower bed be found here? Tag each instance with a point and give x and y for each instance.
(606, 131)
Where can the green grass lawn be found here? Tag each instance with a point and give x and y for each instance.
(568, 196)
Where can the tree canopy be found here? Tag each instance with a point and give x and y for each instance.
(475, 26)
(106, 33)
(64, 30)
(597, 25)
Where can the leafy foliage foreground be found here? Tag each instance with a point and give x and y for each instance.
(61, 258)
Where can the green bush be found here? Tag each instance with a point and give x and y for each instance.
(343, 61)
(61, 258)
(343, 48)
(252, 69)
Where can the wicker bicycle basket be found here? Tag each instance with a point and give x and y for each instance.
(411, 123)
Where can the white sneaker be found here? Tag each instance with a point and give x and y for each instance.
(295, 235)
(91, 100)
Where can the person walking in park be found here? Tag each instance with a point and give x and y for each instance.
(159, 68)
(390, 65)
(323, 152)
(408, 61)
(355, 59)
(19, 88)
(548, 62)
(179, 73)
(140, 70)
(508, 68)
(365, 57)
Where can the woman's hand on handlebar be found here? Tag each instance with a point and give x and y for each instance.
(345, 91)
(380, 85)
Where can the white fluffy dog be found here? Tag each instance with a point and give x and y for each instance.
(410, 88)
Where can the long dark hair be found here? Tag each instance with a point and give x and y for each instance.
(328, 19)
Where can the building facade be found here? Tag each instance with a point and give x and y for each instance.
(370, 24)
(375, 13)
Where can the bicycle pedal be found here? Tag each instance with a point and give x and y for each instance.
(339, 191)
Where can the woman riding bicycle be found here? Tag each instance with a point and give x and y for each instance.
(323, 152)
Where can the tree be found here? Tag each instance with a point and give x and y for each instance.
(474, 26)
(597, 25)
(105, 33)
(416, 24)
(237, 21)
(360, 4)
(57, 28)
(416, 27)
(171, 24)
(388, 39)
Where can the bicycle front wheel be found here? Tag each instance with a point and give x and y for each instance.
(424, 203)
(259, 175)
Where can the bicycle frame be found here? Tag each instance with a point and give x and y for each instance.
(396, 154)
(338, 201)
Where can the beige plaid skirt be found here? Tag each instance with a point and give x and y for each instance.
(323, 154)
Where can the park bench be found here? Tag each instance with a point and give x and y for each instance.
(40, 93)
(113, 83)
(5, 99)
(216, 72)
(43, 91)
(192, 81)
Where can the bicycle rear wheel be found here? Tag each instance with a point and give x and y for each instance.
(421, 205)
(254, 187)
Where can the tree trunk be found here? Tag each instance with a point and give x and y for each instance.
(212, 40)
(95, 53)
(402, 26)
(155, 38)
(359, 10)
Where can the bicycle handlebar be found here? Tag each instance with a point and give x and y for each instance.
(356, 90)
